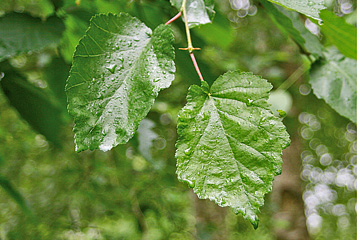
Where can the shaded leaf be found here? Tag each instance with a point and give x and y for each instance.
(291, 24)
(76, 24)
(310, 8)
(20, 33)
(340, 33)
(334, 80)
(230, 144)
(15, 195)
(118, 69)
(34, 105)
(56, 74)
(219, 29)
(199, 12)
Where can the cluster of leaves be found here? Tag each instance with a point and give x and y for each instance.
(120, 65)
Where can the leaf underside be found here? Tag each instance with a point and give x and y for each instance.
(199, 12)
(334, 80)
(118, 69)
(230, 144)
(310, 8)
(20, 33)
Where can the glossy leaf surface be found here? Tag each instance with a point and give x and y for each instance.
(199, 12)
(20, 33)
(340, 33)
(334, 80)
(230, 144)
(118, 69)
(310, 8)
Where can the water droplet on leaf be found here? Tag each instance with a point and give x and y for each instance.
(111, 68)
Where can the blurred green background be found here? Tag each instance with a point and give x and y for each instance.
(50, 192)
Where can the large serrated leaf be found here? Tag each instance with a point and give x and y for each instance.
(340, 33)
(118, 69)
(199, 12)
(310, 8)
(230, 144)
(334, 80)
(20, 33)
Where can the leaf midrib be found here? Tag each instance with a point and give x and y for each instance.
(233, 155)
(110, 98)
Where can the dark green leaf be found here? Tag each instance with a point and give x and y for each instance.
(340, 33)
(230, 144)
(15, 195)
(334, 80)
(118, 69)
(21, 33)
(33, 105)
(199, 12)
(76, 24)
(291, 24)
(310, 8)
(56, 74)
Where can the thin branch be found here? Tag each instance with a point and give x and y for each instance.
(174, 18)
(187, 29)
(190, 47)
(196, 66)
(293, 77)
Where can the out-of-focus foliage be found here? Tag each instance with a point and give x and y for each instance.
(329, 171)
(132, 192)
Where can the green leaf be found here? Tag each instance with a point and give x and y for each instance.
(56, 74)
(230, 144)
(118, 69)
(34, 105)
(310, 8)
(291, 24)
(334, 80)
(199, 12)
(76, 23)
(340, 33)
(21, 33)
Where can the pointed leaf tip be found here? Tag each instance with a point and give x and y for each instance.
(229, 149)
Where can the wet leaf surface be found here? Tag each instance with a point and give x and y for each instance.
(118, 69)
(230, 144)
(334, 80)
(310, 8)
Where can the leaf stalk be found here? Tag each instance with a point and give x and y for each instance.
(190, 47)
(174, 18)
